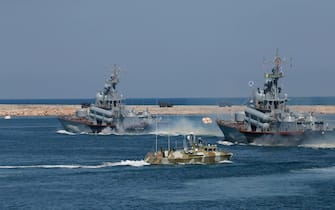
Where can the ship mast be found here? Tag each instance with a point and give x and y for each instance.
(109, 98)
(115, 77)
(269, 98)
(271, 79)
(113, 80)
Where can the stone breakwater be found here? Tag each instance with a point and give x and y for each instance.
(56, 110)
(37, 110)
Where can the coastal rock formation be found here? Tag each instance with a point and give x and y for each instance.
(37, 110)
(56, 110)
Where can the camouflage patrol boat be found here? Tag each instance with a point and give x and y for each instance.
(108, 113)
(195, 152)
(268, 120)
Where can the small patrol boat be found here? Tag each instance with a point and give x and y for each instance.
(108, 113)
(196, 151)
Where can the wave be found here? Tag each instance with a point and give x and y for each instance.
(328, 170)
(173, 126)
(102, 133)
(134, 163)
(319, 145)
(325, 142)
(225, 143)
(226, 162)
(65, 132)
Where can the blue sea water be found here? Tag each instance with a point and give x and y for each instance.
(43, 167)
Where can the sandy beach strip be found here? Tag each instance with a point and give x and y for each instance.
(56, 110)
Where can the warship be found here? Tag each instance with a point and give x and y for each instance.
(267, 118)
(196, 151)
(108, 113)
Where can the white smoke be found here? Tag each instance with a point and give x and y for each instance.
(185, 126)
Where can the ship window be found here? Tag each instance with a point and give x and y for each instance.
(276, 104)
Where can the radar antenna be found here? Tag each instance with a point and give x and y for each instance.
(114, 79)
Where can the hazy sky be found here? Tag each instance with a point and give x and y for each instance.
(172, 48)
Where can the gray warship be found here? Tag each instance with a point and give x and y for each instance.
(268, 120)
(108, 113)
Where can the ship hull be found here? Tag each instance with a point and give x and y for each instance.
(182, 158)
(293, 138)
(231, 131)
(274, 138)
(76, 125)
(82, 126)
(234, 133)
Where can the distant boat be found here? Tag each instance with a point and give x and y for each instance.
(165, 104)
(7, 117)
(196, 151)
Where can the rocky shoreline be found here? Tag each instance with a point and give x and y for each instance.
(57, 110)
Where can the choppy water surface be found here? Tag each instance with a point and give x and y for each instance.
(43, 167)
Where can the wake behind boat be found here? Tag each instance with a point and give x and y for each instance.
(108, 113)
(268, 120)
(196, 151)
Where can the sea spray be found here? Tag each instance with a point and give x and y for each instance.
(65, 132)
(184, 125)
(322, 142)
(225, 143)
(134, 163)
(170, 125)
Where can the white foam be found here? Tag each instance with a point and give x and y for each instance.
(326, 142)
(319, 146)
(84, 133)
(134, 163)
(106, 131)
(226, 161)
(7, 117)
(65, 132)
(225, 143)
(330, 169)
